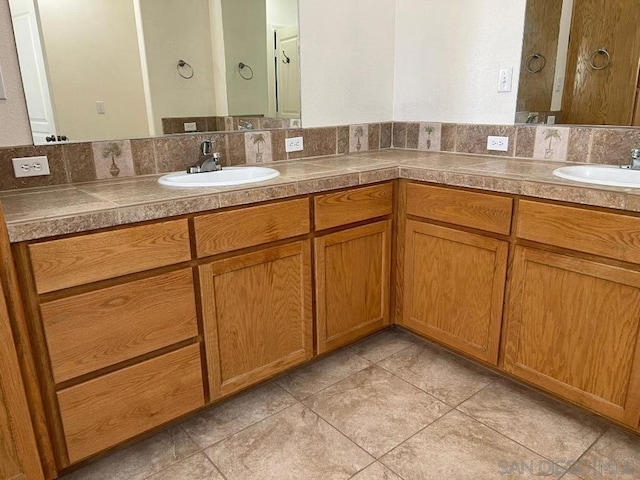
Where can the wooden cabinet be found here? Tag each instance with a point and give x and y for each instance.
(19, 459)
(257, 315)
(352, 284)
(573, 329)
(454, 286)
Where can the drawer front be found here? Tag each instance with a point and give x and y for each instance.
(89, 258)
(226, 231)
(483, 211)
(599, 233)
(95, 330)
(106, 411)
(341, 208)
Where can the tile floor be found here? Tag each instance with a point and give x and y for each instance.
(391, 407)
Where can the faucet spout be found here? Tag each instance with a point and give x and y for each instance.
(208, 161)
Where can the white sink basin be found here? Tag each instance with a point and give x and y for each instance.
(222, 178)
(610, 175)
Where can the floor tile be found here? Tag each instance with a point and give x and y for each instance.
(318, 375)
(555, 431)
(376, 471)
(615, 456)
(444, 375)
(197, 467)
(238, 413)
(141, 459)
(458, 447)
(293, 444)
(376, 409)
(384, 344)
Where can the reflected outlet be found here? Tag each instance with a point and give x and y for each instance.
(30, 166)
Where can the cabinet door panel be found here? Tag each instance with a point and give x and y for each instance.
(257, 313)
(573, 328)
(454, 288)
(352, 284)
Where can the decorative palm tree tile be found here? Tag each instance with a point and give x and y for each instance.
(113, 159)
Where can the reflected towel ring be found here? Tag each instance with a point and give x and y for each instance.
(182, 64)
(531, 59)
(600, 51)
(242, 66)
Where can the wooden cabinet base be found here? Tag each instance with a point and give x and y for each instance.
(257, 315)
(573, 329)
(454, 288)
(352, 284)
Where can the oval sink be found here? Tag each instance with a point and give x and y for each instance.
(610, 175)
(222, 178)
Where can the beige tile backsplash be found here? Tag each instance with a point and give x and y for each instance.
(84, 162)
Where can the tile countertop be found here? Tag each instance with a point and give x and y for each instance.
(49, 211)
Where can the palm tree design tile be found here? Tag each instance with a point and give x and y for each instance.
(358, 138)
(429, 137)
(258, 147)
(551, 143)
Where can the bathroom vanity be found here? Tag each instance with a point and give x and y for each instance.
(132, 326)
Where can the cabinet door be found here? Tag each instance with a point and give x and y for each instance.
(257, 315)
(454, 288)
(19, 458)
(573, 328)
(352, 283)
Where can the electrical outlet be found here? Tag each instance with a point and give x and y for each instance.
(190, 127)
(295, 144)
(30, 166)
(551, 120)
(100, 108)
(499, 144)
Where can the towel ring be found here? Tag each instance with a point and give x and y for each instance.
(600, 51)
(242, 66)
(533, 58)
(182, 64)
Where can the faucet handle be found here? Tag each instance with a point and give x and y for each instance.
(207, 147)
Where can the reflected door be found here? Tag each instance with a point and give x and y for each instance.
(34, 71)
(288, 73)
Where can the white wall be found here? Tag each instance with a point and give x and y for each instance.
(92, 54)
(178, 30)
(346, 55)
(14, 121)
(484, 35)
(563, 53)
(282, 12)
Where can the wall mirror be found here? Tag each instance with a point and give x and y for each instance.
(109, 69)
(580, 63)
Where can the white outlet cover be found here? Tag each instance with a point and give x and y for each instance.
(190, 127)
(498, 144)
(295, 144)
(30, 166)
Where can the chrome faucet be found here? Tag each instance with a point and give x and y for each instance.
(635, 160)
(208, 161)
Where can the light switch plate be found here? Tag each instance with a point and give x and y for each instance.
(506, 80)
(100, 109)
(30, 166)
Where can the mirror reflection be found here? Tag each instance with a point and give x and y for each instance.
(109, 69)
(580, 63)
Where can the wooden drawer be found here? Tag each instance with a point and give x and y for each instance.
(235, 229)
(341, 208)
(95, 330)
(599, 233)
(469, 209)
(89, 258)
(108, 410)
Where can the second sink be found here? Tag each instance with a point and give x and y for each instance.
(610, 175)
(225, 177)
